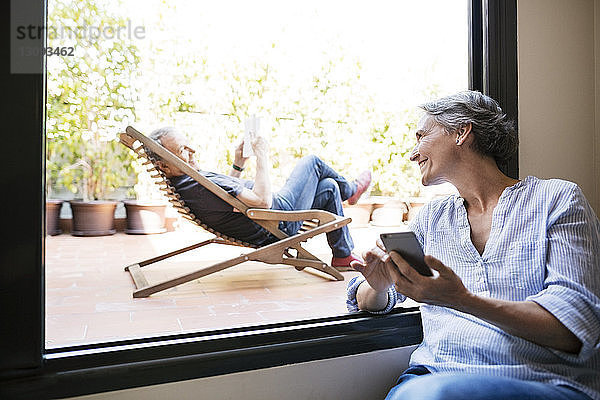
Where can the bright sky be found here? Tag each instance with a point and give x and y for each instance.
(404, 46)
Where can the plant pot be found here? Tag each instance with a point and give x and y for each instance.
(145, 217)
(93, 218)
(391, 213)
(360, 214)
(53, 217)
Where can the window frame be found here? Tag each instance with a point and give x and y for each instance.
(28, 370)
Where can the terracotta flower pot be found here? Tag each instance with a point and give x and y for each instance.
(93, 218)
(145, 217)
(391, 213)
(53, 217)
(360, 214)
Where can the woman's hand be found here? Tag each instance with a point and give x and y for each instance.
(444, 288)
(379, 270)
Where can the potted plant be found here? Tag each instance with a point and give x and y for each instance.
(53, 206)
(101, 167)
(145, 217)
(359, 212)
(146, 213)
(389, 212)
(90, 98)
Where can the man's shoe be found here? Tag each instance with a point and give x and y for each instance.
(362, 183)
(343, 264)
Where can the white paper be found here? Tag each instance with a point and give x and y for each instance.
(252, 131)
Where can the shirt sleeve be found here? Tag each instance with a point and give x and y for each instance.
(572, 284)
(352, 304)
(393, 296)
(232, 185)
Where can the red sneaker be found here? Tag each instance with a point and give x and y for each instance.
(343, 264)
(362, 183)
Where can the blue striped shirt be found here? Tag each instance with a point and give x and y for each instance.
(544, 246)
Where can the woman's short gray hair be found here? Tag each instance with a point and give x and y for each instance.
(494, 133)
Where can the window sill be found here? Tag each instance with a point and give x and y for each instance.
(87, 369)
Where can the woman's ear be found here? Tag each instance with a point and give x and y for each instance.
(463, 133)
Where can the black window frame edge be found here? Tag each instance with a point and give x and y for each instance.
(27, 370)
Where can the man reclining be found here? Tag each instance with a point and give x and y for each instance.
(311, 185)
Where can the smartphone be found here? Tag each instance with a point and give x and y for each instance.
(407, 245)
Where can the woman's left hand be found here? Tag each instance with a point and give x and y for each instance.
(444, 288)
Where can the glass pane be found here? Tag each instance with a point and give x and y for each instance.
(338, 79)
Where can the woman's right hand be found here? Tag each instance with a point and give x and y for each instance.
(379, 270)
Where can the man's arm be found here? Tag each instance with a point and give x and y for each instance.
(239, 161)
(260, 195)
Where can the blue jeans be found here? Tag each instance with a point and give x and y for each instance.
(315, 185)
(416, 383)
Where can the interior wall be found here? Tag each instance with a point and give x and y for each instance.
(597, 105)
(557, 92)
(356, 377)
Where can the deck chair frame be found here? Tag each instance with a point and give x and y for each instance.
(288, 250)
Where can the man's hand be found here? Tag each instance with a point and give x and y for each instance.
(260, 147)
(239, 158)
(444, 288)
(260, 196)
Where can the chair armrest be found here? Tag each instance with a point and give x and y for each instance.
(276, 215)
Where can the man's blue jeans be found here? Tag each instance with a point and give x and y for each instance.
(416, 383)
(315, 185)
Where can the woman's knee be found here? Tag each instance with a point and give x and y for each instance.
(427, 387)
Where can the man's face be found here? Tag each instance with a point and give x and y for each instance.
(434, 152)
(177, 144)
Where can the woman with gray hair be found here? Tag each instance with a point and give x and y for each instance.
(512, 310)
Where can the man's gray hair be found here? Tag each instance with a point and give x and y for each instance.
(159, 133)
(494, 133)
(157, 136)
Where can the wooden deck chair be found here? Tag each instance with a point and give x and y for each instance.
(288, 250)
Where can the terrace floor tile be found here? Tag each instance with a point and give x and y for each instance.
(89, 295)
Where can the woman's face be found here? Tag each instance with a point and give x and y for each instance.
(435, 152)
